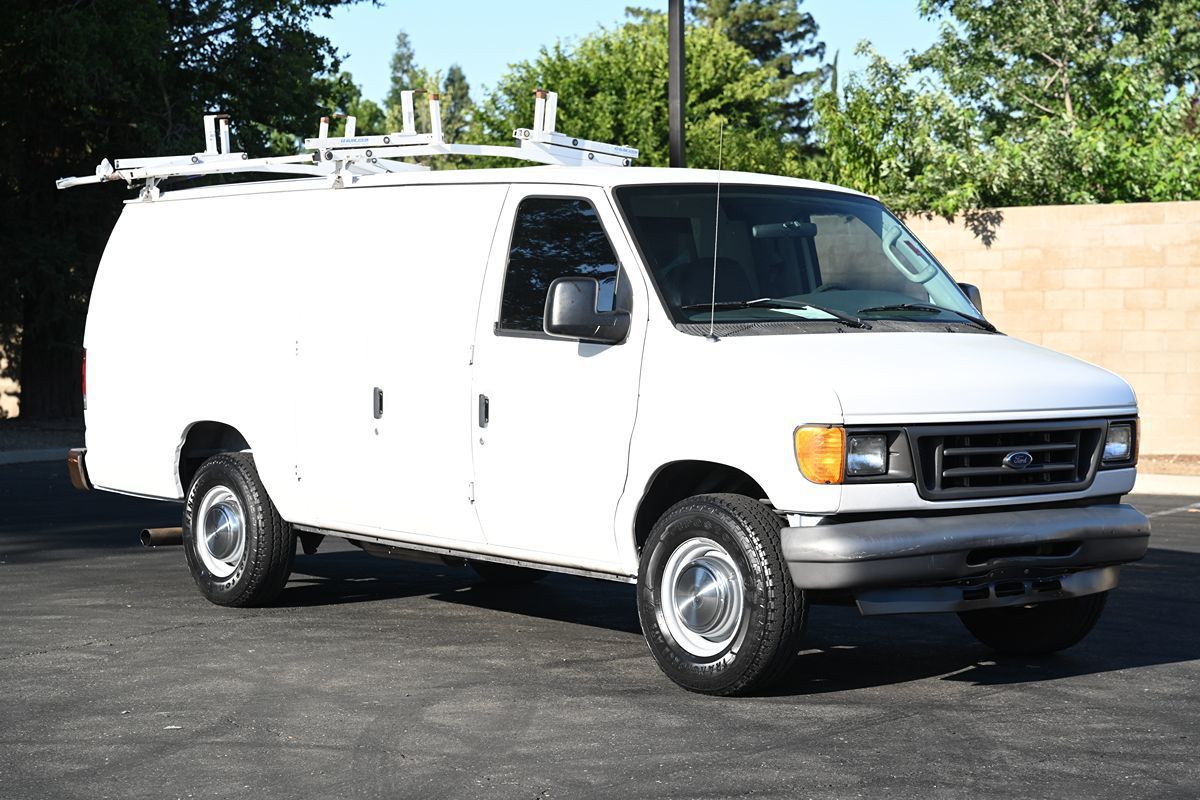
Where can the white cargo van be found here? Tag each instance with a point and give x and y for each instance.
(744, 405)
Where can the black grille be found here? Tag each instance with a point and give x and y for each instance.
(963, 461)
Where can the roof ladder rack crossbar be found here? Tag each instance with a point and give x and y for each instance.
(541, 143)
(351, 154)
(216, 158)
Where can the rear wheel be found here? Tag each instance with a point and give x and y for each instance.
(1036, 629)
(238, 548)
(506, 574)
(715, 597)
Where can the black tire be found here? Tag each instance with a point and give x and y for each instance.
(258, 574)
(1036, 629)
(506, 574)
(770, 621)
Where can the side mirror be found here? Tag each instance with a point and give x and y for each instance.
(571, 313)
(972, 293)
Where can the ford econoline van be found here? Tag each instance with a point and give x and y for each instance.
(748, 395)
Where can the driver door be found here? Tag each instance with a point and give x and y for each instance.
(554, 416)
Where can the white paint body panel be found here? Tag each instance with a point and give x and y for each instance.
(313, 296)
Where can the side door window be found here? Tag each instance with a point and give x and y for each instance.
(556, 237)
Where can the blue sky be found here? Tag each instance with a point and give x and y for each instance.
(484, 37)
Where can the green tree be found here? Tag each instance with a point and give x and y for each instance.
(1060, 58)
(1038, 102)
(457, 107)
(781, 38)
(405, 74)
(345, 96)
(83, 81)
(896, 134)
(612, 87)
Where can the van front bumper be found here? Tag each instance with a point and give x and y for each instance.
(961, 562)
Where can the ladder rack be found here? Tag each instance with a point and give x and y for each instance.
(350, 154)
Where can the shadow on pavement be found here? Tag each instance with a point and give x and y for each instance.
(355, 577)
(1149, 621)
(351, 577)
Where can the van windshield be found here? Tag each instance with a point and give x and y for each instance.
(782, 254)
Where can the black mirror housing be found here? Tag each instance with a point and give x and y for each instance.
(571, 313)
(972, 293)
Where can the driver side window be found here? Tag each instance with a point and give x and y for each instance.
(555, 237)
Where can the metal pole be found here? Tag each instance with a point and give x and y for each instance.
(675, 83)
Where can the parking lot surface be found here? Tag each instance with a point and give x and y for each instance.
(378, 678)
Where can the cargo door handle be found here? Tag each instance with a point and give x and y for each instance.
(377, 404)
(483, 410)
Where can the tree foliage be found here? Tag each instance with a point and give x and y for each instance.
(780, 37)
(345, 96)
(457, 107)
(613, 86)
(84, 81)
(1038, 102)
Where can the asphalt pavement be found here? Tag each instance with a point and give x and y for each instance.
(384, 679)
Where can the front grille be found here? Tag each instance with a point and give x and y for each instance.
(963, 461)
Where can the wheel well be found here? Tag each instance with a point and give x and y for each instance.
(204, 440)
(683, 479)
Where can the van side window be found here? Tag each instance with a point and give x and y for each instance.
(554, 237)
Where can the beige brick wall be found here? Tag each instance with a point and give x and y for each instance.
(1116, 285)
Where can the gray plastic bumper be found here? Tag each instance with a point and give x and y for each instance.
(1014, 545)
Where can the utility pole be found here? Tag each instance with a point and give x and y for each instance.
(675, 83)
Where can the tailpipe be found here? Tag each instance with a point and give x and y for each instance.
(161, 537)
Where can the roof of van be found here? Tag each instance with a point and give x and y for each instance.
(601, 176)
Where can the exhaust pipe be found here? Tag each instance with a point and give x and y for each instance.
(161, 537)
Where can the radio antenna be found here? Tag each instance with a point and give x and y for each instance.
(712, 308)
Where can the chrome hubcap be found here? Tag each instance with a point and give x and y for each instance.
(702, 597)
(220, 531)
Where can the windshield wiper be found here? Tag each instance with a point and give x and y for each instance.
(769, 302)
(983, 323)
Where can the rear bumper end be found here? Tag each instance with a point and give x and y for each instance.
(77, 469)
(965, 561)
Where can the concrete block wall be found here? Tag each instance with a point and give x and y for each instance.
(1116, 285)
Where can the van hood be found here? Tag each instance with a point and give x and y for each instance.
(884, 377)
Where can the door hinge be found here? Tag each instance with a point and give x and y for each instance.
(471, 357)
(471, 490)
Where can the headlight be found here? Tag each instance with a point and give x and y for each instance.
(866, 454)
(821, 452)
(1118, 445)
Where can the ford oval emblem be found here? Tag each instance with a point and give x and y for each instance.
(1018, 460)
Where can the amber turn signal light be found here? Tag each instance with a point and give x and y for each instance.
(821, 452)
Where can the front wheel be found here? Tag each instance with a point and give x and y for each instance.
(715, 597)
(239, 549)
(1036, 629)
